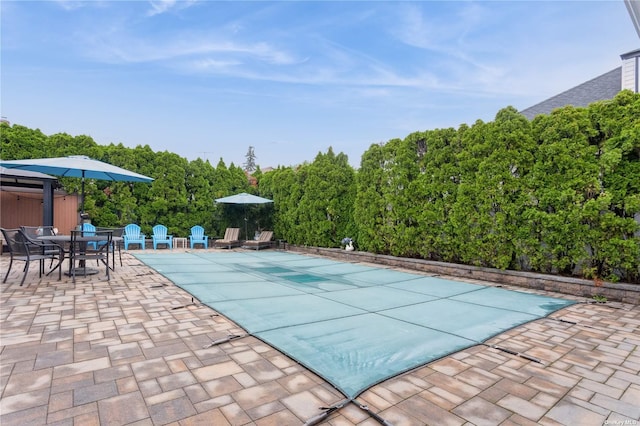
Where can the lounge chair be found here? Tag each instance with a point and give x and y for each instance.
(197, 236)
(160, 237)
(132, 235)
(230, 239)
(263, 241)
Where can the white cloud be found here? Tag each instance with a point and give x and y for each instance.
(70, 4)
(159, 7)
(448, 42)
(122, 47)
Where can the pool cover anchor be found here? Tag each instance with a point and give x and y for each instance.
(193, 303)
(579, 324)
(520, 354)
(161, 285)
(333, 408)
(229, 338)
(327, 412)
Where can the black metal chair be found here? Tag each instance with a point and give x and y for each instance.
(116, 245)
(82, 251)
(35, 232)
(24, 249)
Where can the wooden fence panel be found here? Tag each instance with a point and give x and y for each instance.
(25, 208)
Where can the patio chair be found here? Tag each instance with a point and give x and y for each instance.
(160, 237)
(263, 241)
(90, 230)
(230, 239)
(197, 236)
(82, 251)
(116, 243)
(33, 232)
(132, 235)
(24, 249)
(50, 248)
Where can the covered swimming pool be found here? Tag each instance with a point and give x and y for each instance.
(354, 325)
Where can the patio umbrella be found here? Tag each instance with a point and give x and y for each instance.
(76, 166)
(243, 198)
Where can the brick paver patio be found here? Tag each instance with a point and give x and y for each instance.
(134, 351)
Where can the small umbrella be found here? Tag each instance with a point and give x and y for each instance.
(243, 198)
(76, 166)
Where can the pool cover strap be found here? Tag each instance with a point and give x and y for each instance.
(375, 416)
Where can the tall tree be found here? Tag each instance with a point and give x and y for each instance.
(250, 160)
(325, 210)
(199, 186)
(614, 216)
(20, 142)
(563, 177)
(435, 189)
(283, 186)
(369, 204)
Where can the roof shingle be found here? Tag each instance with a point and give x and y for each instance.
(605, 86)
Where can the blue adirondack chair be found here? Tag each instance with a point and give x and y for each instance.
(197, 236)
(90, 230)
(160, 237)
(132, 235)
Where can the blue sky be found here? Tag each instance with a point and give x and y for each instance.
(291, 78)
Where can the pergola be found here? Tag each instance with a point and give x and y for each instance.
(22, 179)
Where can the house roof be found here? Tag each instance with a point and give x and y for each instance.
(631, 54)
(605, 86)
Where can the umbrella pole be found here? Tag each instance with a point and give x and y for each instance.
(82, 197)
(82, 263)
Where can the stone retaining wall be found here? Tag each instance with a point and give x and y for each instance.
(621, 292)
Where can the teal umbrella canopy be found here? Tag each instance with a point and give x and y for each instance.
(243, 198)
(78, 166)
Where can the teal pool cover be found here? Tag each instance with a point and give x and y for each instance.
(354, 325)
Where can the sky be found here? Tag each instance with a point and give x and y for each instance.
(209, 79)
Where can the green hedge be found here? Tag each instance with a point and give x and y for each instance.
(559, 194)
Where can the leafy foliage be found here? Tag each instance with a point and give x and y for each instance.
(559, 194)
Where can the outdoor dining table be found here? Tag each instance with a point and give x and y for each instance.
(65, 239)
